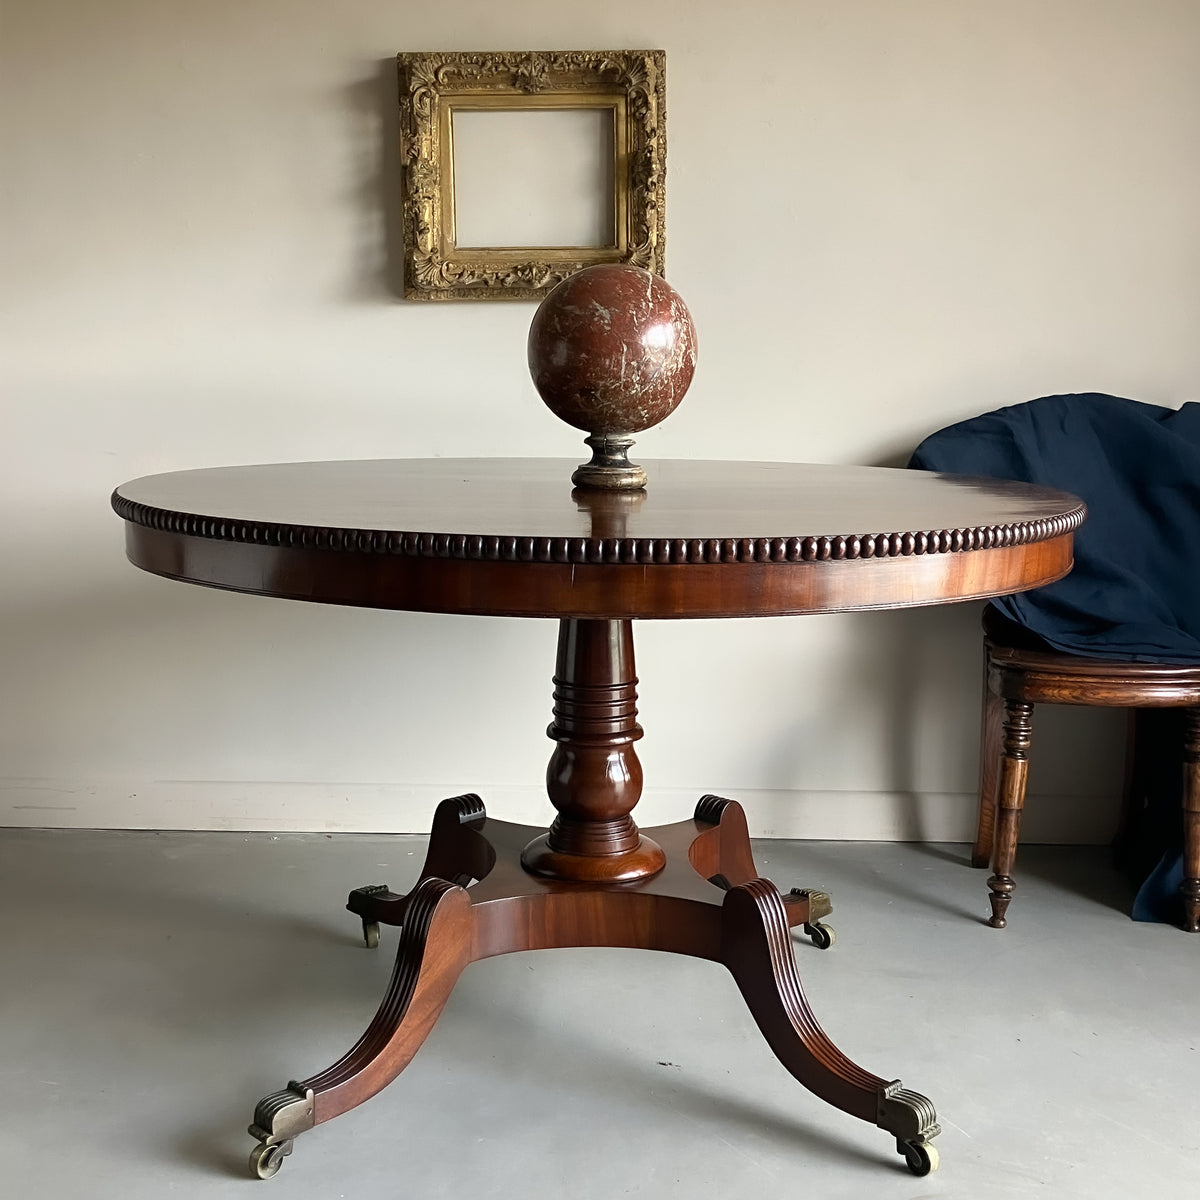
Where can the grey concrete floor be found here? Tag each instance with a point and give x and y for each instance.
(154, 986)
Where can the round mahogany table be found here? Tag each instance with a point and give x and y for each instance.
(509, 537)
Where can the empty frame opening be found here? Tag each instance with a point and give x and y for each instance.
(533, 178)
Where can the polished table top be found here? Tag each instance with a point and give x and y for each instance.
(510, 536)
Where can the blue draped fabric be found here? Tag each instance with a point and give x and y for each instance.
(1134, 593)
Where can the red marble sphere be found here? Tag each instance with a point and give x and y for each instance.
(612, 349)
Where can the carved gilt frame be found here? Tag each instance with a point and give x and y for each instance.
(629, 83)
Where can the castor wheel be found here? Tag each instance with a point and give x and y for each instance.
(921, 1157)
(822, 936)
(360, 903)
(265, 1160)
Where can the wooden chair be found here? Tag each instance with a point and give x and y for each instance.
(1022, 672)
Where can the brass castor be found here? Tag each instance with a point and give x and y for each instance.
(360, 903)
(921, 1157)
(265, 1160)
(822, 936)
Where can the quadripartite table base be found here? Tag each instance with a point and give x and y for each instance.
(506, 538)
(491, 887)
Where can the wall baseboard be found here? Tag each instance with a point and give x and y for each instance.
(242, 807)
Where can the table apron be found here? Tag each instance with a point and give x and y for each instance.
(596, 590)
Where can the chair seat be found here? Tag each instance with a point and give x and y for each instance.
(1022, 672)
(1022, 667)
(1131, 597)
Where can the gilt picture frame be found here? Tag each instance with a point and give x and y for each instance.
(628, 84)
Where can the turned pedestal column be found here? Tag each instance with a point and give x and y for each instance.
(594, 778)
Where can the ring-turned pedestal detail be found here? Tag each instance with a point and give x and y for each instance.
(594, 778)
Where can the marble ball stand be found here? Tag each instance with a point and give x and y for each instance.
(612, 350)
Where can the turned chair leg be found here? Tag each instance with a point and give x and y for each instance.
(990, 736)
(1014, 765)
(1189, 889)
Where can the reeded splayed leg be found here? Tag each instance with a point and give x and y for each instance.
(757, 950)
(594, 778)
(722, 854)
(435, 947)
(1014, 766)
(1189, 889)
(723, 850)
(457, 852)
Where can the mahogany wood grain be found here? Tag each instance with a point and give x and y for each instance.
(990, 739)
(723, 849)
(434, 949)
(1018, 677)
(509, 537)
(758, 953)
(594, 778)
(716, 844)
(1014, 765)
(744, 927)
(336, 504)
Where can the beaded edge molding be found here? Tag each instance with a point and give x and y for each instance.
(633, 551)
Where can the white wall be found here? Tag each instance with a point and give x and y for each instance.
(884, 216)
